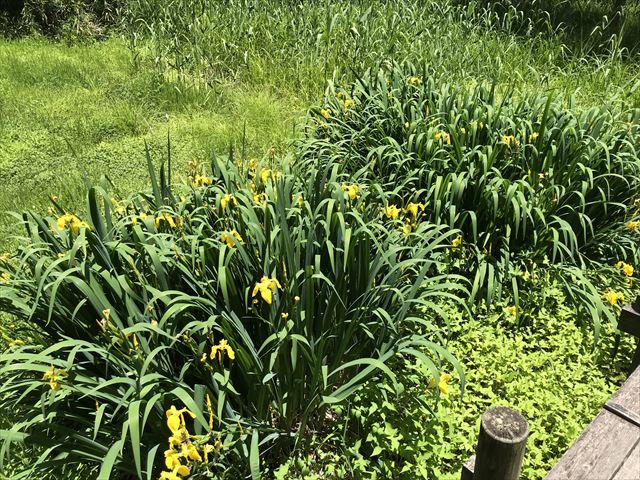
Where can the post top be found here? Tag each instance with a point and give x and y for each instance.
(505, 425)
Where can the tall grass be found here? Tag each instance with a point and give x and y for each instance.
(304, 44)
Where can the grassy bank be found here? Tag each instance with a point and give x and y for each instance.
(67, 111)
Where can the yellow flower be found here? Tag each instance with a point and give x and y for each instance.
(191, 452)
(228, 199)
(54, 375)
(351, 191)
(16, 343)
(406, 124)
(230, 238)
(633, 225)
(626, 268)
(406, 229)
(391, 211)
(296, 299)
(512, 310)
(266, 287)
(533, 137)
(412, 209)
(260, 198)
(172, 459)
(347, 103)
(446, 138)
(442, 384)
(220, 350)
(509, 140)
(201, 181)
(612, 297)
(456, 242)
(5, 277)
(176, 473)
(73, 222)
(165, 217)
(325, 112)
(413, 80)
(175, 418)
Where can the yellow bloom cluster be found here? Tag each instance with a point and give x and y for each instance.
(71, 221)
(442, 384)
(511, 310)
(347, 103)
(413, 208)
(168, 219)
(510, 140)
(230, 238)
(5, 277)
(53, 376)
(201, 181)
(456, 242)
(221, 349)
(612, 297)
(266, 286)
(180, 446)
(633, 225)
(626, 268)
(413, 80)
(326, 112)
(228, 199)
(391, 211)
(351, 191)
(533, 137)
(446, 138)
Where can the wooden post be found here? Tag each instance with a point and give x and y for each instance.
(503, 436)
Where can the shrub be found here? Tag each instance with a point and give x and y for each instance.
(237, 315)
(52, 17)
(527, 181)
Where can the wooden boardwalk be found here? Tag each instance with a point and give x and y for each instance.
(609, 449)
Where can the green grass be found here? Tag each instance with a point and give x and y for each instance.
(70, 110)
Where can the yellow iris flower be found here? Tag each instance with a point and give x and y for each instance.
(351, 191)
(412, 209)
(175, 418)
(612, 297)
(230, 238)
(444, 136)
(266, 286)
(54, 375)
(442, 384)
(391, 211)
(626, 268)
(220, 350)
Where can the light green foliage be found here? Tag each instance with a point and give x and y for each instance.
(548, 371)
(70, 110)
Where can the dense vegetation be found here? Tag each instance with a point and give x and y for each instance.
(454, 225)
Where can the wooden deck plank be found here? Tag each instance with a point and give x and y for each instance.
(608, 448)
(599, 452)
(629, 394)
(630, 469)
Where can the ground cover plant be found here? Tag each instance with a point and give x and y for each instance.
(219, 303)
(527, 180)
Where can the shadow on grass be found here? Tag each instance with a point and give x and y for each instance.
(586, 26)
